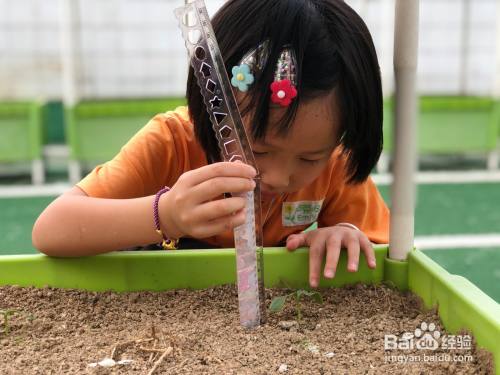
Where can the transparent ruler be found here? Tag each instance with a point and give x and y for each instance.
(226, 121)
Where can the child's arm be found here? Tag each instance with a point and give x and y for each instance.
(76, 224)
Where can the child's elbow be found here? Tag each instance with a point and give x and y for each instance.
(41, 238)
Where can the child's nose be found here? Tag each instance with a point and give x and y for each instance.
(276, 180)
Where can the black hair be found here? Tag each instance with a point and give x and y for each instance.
(334, 51)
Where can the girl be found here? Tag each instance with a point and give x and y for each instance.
(315, 137)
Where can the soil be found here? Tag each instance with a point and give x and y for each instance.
(55, 331)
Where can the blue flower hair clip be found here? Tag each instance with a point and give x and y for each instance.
(242, 77)
(252, 62)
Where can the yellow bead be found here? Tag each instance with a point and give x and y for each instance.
(170, 244)
(240, 77)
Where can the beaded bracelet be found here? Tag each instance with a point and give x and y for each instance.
(167, 243)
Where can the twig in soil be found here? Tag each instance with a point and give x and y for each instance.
(152, 350)
(180, 364)
(163, 338)
(120, 346)
(114, 351)
(152, 356)
(160, 360)
(153, 331)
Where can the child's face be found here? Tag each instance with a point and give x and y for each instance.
(288, 163)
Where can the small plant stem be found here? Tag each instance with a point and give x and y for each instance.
(297, 308)
(6, 315)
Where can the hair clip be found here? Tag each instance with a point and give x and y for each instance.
(285, 79)
(242, 77)
(283, 87)
(252, 61)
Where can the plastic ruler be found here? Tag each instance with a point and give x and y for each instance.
(222, 108)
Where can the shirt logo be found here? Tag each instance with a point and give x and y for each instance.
(300, 213)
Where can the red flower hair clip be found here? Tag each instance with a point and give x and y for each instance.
(283, 88)
(283, 92)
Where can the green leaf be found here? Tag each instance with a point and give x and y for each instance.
(277, 303)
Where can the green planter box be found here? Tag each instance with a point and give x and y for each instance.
(461, 305)
(20, 132)
(451, 125)
(21, 137)
(96, 130)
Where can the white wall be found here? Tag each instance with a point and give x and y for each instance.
(29, 49)
(441, 43)
(133, 48)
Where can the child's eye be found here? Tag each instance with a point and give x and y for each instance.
(309, 161)
(259, 153)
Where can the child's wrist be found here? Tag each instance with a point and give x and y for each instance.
(167, 222)
(164, 227)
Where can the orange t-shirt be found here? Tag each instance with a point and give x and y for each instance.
(167, 147)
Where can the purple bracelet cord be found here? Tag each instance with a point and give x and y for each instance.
(167, 242)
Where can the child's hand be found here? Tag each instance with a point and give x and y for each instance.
(195, 207)
(329, 241)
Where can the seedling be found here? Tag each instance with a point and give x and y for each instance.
(6, 315)
(278, 303)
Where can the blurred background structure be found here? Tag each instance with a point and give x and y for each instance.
(80, 77)
(80, 55)
(87, 64)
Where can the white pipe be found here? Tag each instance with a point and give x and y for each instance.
(68, 23)
(387, 46)
(496, 86)
(405, 158)
(363, 9)
(464, 47)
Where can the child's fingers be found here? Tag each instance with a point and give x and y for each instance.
(217, 186)
(222, 169)
(333, 247)
(316, 253)
(352, 245)
(367, 248)
(217, 209)
(211, 228)
(294, 241)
